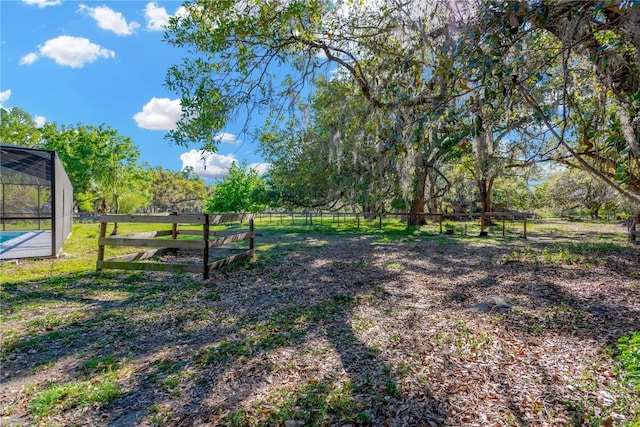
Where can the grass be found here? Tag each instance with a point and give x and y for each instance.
(59, 397)
(309, 404)
(102, 335)
(629, 357)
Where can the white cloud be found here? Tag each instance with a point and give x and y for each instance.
(110, 20)
(227, 137)
(40, 120)
(158, 17)
(261, 168)
(73, 52)
(182, 12)
(5, 95)
(29, 58)
(42, 3)
(159, 114)
(208, 165)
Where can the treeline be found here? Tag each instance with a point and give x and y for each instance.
(104, 167)
(105, 170)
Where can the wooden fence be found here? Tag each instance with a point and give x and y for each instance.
(164, 241)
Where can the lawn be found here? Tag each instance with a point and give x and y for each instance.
(331, 325)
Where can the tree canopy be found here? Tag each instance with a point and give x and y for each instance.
(510, 82)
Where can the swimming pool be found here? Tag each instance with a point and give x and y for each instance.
(8, 235)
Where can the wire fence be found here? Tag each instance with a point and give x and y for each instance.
(450, 223)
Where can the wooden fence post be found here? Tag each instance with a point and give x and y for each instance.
(251, 229)
(525, 226)
(205, 251)
(103, 232)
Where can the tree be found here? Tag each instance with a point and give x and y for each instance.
(176, 191)
(18, 127)
(249, 50)
(332, 156)
(136, 195)
(403, 67)
(411, 59)
(573, 188)
(593, 42)
(98, 160)
(258, 54)
(243, 190)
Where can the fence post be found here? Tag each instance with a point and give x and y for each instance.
(251, 243)
(502, 226)
(380, 221)
(103, 232)
(205, 251)
(525, 226)
(358, 219)
(440, 222)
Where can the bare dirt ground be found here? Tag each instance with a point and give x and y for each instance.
(338, 330)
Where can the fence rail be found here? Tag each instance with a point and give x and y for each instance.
(209, 239)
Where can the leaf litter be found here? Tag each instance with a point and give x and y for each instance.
(345, 331)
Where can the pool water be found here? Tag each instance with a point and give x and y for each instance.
(8, 235)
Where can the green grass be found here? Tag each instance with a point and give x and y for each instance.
(310, 404)
(101, 365)
(59, 397)
(629, 357)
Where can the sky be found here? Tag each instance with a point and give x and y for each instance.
(104, 62)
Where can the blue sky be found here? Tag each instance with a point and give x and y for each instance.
(104, 62)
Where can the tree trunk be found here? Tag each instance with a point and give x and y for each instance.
(419, 200)
(433, 196)
(115, 224)
(633, 228)
(594, 210)
(484, 186)
(369, 210)
(417, 208)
